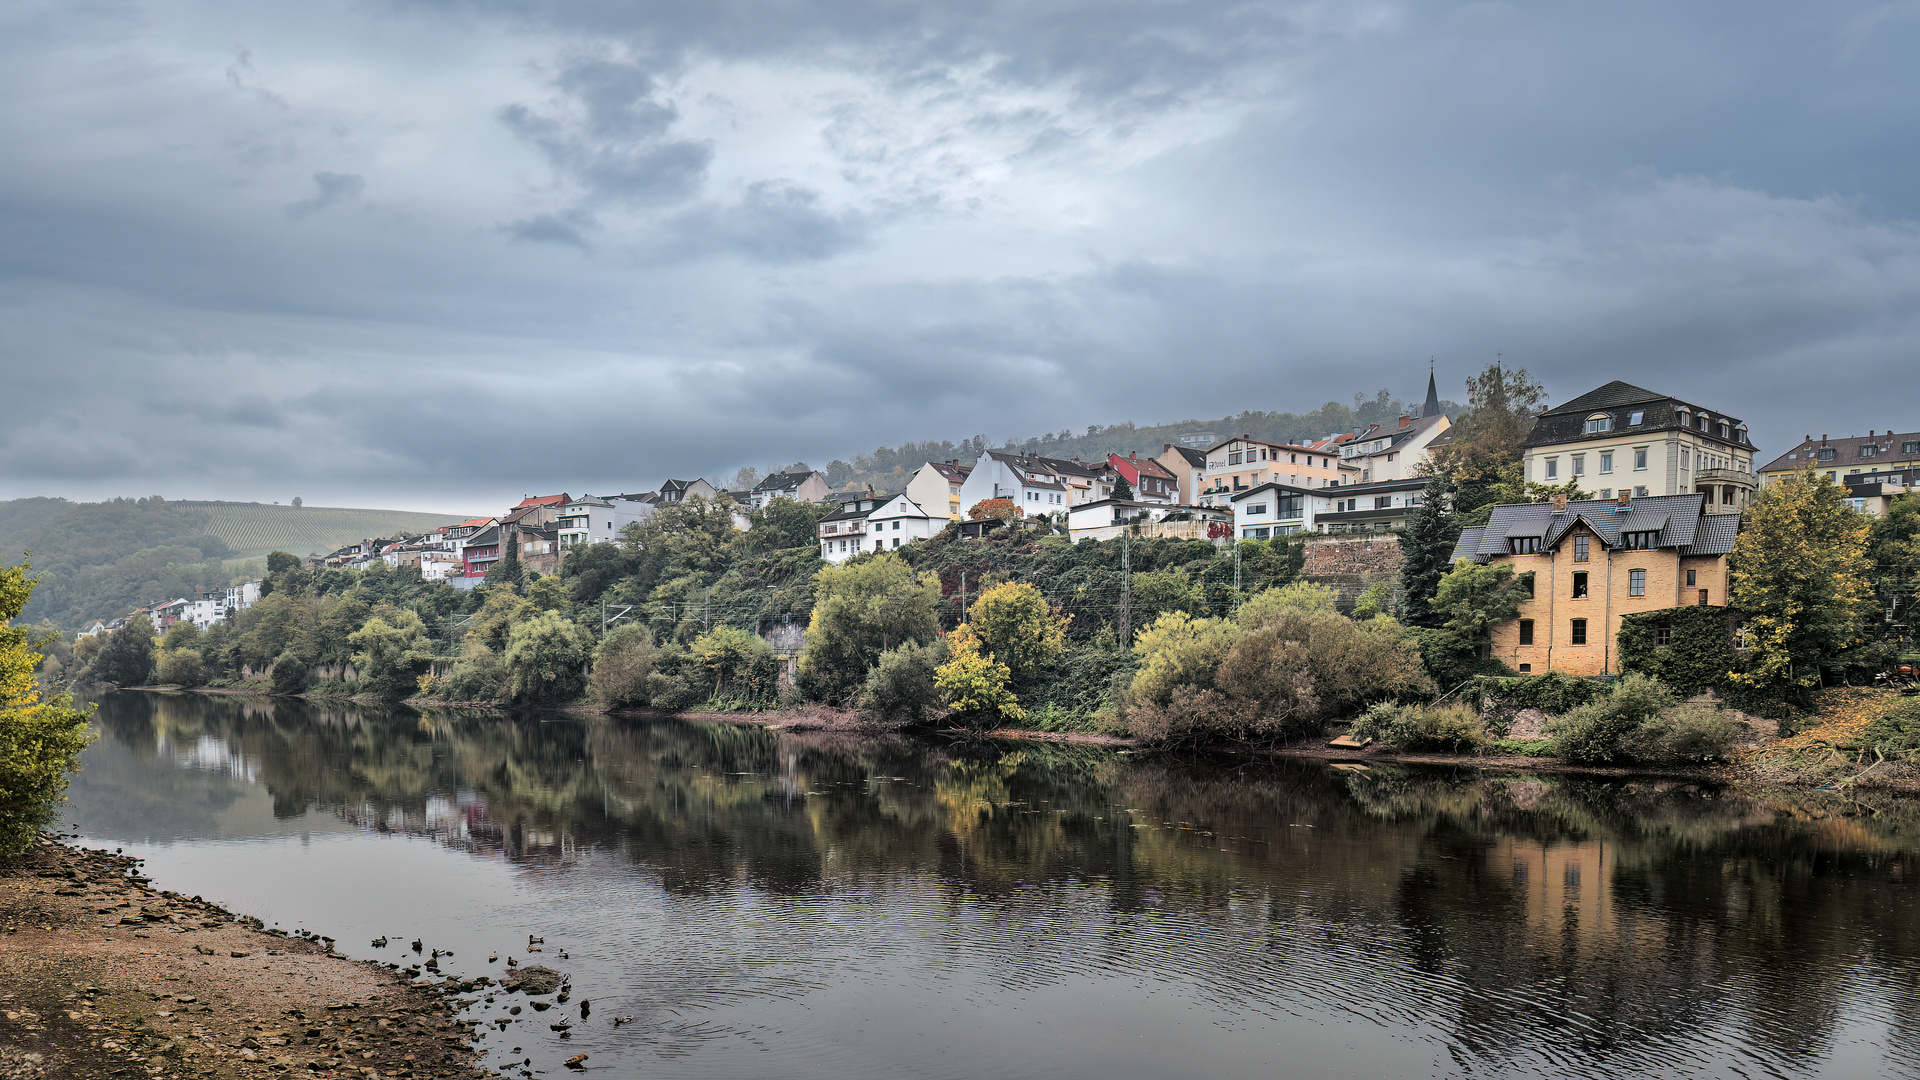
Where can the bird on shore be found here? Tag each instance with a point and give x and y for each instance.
(511, 962)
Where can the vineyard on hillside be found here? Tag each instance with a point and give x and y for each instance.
(253, 529)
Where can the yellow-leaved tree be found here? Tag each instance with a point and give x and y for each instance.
(40, 741)
(1800, 577)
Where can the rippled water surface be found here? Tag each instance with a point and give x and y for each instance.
(822, 906)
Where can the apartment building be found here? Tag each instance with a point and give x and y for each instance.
(1622, 437)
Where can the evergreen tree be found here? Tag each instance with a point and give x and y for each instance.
(1427, 550)
(1122, 489)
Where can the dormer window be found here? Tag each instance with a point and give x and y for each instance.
(1639, 541)
(1636, 418)
(1523, 545)
(1726, 432)
(1868, 450)
(1825, 453)
(1599, 423)
(1910, 447)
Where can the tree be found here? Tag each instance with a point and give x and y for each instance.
(1427, 549)
(592, 569)
(784, 523)
(996, 509)
(1893, 553)
(297, 502)
(40, 741)
(1017, 627)
(902, 688)
(860, 610)
(1475, 597)
(1122, 489)
(127, 656)
(546, 660)
(688, 537)
(746, 478)
(975, 685)
(1486, 445)
(739, 662)
(1800, 576)
(279, 562)
(388, 655)
(621, 666)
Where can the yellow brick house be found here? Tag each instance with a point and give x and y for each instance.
(1594, 562)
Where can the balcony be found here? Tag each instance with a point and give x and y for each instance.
(1724, 476)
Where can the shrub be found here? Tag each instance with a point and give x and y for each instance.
(126, 657)
(861, 610)
(978, 687)
(289, 674)
(1693, 731)
(671, 691)
(479, 675)
(1454, 728)
(1189, 715)
(1699, 651)
(621, 666)
(740, 665)
(1178, 651)
(1897, 728)
(900, 689)
(1551, 692)
(1598, 732)
(180, 667)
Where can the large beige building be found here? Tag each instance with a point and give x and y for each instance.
(1594, 563)
(1850, 457)
(1622, 438)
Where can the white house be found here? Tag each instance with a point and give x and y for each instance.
(1269, 510)
(243, 596)
(1034, 487)
(598, 519)
(1109, 519)
(209, 609)
(843, 533)
(937, 484)
(900, 520)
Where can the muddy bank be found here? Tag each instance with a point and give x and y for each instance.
(103, 976)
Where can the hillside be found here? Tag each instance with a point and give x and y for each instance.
(97, 560)
(250, 530)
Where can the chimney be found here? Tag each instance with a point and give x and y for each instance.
(1166, 447)
(1405, 420)
(1560, 503)
(1626, 499)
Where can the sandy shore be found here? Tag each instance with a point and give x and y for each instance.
(103, 976)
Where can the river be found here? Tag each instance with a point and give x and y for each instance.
(794, 905)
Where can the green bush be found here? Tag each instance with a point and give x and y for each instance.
(1596, 733)
(180, 667)
(739, 667)
(1551, 692)
(289, 674)
(671, 691)
(900, 689)
(1698, 654)
(1897, 729)
(1691, 732)
(621, 666)
(546, 659)
(40, 741)
(479, 675)
(1454, 729)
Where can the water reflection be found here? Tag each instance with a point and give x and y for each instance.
(849, 903)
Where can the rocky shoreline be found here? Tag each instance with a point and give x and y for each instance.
(102, 975)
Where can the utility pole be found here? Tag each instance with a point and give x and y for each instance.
(963, 596)
(1236, 573)
(1126, 587)
(709, 609)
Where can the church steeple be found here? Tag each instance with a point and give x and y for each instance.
(1432, 405)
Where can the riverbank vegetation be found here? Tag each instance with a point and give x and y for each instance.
(40, 738)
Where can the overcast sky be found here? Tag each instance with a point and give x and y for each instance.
(437, 255)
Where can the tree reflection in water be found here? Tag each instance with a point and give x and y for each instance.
(1539, 922)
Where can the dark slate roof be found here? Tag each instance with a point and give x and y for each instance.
(485, 537)
(953, 473)
(849, 514)
(1846, 452)
(1377, 487)
(1567, 423)
(782, 481)
(1680, 520)
(1195, 458)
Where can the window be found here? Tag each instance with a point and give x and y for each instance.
(1260, 533)
(896, 541)
(1580, 546)
(953, 489)
(1690, 576)
(1703, 598)
(1639, 541)
(1288, 506)
(1233, 458)
(1639, 458)
(1577, 632)
(1553, 468)
(1663, 635)
(1640, 491)
(896, 526)
(1382, 502)
(1726, 432)
(1825, 453)
(1524, 668)
(1598, 424)
(1636, 418)
(1526, 631)
(1606, 463)
(1910, 447)
(1256, 508)
(1523, 545)
(1579, 464)
(1683, 460)
(1636, 583)
(1606, 493)
(1869, 450)
(1579, 584)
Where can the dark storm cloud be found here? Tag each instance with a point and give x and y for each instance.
(447, 253)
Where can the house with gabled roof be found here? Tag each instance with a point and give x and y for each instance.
(1189, 468)
(1850, 458)
(1033, 486)
(843, 533)
(1243, 462)
(1623, 437)
(1151, 481)
(1592, 563)
(938, 484)
(800, 486)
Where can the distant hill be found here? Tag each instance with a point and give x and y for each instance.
(251, 530)
(98, 560)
